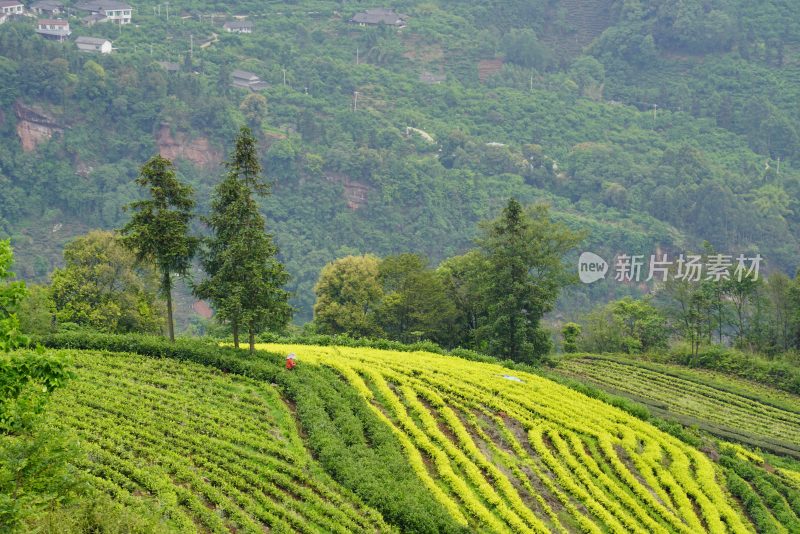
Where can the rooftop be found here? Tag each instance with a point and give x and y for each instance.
(91, 40)
(245, 75)
(379, 16)
(238, 24)
(101, 5)
(10, 3)
(47, 4)
(53, 22)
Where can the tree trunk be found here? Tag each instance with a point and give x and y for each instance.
(252, 338)
(168, 292)
(235, 326)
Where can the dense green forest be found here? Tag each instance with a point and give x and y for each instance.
(655, 125)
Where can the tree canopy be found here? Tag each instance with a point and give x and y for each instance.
(101, 286)
(158, 231)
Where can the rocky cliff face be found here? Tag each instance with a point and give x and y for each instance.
(199, 151)
(34, 125)
(354, 192)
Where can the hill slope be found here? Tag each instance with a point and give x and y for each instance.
(632, 143)
(520, 453)
(728, 407)
(221, 453)
(360, 439)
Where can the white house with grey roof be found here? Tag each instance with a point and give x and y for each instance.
(10, 8)
(238, 26)
(379, 16)
(93, 44)
(56, 29)
(106, 10)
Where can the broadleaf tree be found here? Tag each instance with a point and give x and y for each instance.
(416, 304)
(11, 295)
(348, 295)
(102, 287)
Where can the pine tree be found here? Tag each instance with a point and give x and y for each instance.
(224, 270)
(158, 232)
(245, 163)
(245, 279)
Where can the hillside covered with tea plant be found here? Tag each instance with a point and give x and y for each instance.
(358, 439)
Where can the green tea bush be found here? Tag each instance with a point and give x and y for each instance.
(777, 373)
(352, 445)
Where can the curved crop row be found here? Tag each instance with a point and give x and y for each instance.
(523, 454)
(690, 398)
(219, 452)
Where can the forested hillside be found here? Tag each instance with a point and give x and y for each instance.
(650, 124)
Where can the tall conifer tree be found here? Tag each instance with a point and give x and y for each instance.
(524, 253)
(245, 279)
(158, 231)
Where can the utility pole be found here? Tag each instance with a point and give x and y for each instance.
(167, 10)
(355, 100)
(655, 110)
(531, 89)
(356, 55)
(284, 77)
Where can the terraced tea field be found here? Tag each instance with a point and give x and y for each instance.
(220, 453)
(519, 453)
(730, 408)
(366, 440)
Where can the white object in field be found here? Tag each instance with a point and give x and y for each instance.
(513, 378)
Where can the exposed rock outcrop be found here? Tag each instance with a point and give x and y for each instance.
(199, 150)
(34, 125)
(355, 193)
(487, 67)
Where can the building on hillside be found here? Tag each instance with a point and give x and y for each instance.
(169, 66)
(247, 80)
(105, 11)
(10, 8)
(243, 78)
(380, 16)
(432, 78)
(93, 44)
(47, 8)
(238, 26)
(94, 18)
(55, 29)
